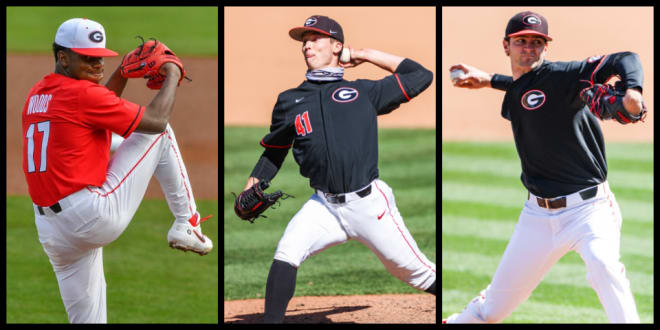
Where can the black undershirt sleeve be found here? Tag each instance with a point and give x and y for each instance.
(501, 82)
(269, 164)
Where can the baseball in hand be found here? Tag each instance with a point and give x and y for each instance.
(345, 56)
(457, 74)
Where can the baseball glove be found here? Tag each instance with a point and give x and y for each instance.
(145, 62)
(606, 102)
(252, 202)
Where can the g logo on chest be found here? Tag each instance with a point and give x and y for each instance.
(533, 99)
(345, 94)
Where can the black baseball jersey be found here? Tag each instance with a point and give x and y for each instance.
(559, 142)
(332, 127)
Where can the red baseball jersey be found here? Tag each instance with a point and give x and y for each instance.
(67, 125)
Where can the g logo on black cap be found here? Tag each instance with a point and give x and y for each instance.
(533, 99)
(531, 20)
(96, 36)
(311, 21)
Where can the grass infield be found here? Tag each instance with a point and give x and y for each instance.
(147, 281)
(406, 163)
(475, 232)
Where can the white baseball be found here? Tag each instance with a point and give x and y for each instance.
(457, 74)
(345, 56)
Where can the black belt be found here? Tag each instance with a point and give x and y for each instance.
(55, 208)
(338, 199)
(561, 202)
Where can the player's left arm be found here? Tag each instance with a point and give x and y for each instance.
(628, 67)
(633, 101)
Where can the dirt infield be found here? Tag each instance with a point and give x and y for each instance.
(194, 120)
(474, 36)
(411, 308)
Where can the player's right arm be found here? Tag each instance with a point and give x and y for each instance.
(157, 113)
(474, 78)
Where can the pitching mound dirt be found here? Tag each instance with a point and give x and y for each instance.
(401, 308)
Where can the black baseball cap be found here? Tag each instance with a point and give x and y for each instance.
(321, 24)
(526, 23)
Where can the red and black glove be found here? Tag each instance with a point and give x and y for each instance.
(252, 202)
(146, 61)
(606, 102)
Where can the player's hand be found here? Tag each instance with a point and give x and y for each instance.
(251, 182)
(358, 56)
(473, 79)
(632, 101)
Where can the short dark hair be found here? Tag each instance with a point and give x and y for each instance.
(57, 48)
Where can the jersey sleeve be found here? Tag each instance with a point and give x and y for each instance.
(599, 69)
(100, 107)
(408, 81)
(625, 65)
(281, 133)
(277, 143)
(501, 82)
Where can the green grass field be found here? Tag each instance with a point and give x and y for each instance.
(186, 30)
(147, 281)
(475, 232)
(346, 269)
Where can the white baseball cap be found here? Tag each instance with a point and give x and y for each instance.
(83, 36)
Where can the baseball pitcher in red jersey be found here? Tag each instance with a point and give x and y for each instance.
(83, 199)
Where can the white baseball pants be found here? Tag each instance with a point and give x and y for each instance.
(591, 227)
(93, 217)
(373, 220)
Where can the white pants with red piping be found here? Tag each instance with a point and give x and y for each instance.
(373, 220)
(95, 216)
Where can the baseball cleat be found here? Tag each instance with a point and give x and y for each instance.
(187, 236)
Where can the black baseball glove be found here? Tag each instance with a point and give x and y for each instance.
(606, 102)
(252, 202)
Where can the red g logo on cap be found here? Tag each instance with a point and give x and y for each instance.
(533, 99)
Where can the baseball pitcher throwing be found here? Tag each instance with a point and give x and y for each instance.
(331, 126)
(83, 200)
(554, 108)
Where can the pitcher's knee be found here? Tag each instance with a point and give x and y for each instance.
(295, 259)
(604, 272)
(419, 279)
